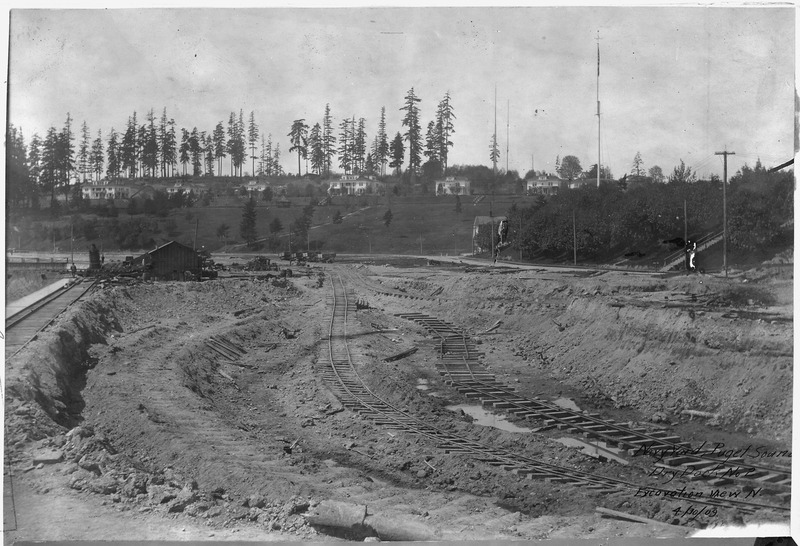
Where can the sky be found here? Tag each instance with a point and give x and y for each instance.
(676, 83)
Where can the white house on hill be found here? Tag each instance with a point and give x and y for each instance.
(543, 185)
(354, 184)
(104, 190)
(452, 185)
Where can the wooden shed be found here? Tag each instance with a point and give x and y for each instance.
(170, 262)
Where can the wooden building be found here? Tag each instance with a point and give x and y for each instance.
(171, 262)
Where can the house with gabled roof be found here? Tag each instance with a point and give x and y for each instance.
(171, 262)
(355, 184)
(452, 185)
(543, 184)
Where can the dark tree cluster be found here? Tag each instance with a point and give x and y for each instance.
(611, 218)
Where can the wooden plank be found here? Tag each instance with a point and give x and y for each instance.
(631, 517)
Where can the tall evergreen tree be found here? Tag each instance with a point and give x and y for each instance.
(297, 136)
(169, 152)
(35, 160)
(413, 134)
(445, 128)
(150, 149)
(315, 146)
(67, 151)
(241, 151)
(96, 157)
(637, 169)
(345, 146)
(128, 147)
(50, 177)
(432, 142)
(262, 159)
(231, 144)
(374, 166)
(83, 152)
(208, 151)
(397, 152)
(236, 142)
(277, 170)
(328, 139)
(114, 166)
(166, 144)
(252, 139)
(185, 149)
(196, 152)
(18, 182)
(359, 144)
(141, 138)
(383, 143)
(494, 152)
(267, 157)
(219, 146)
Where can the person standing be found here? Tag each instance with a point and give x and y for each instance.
(691, 254)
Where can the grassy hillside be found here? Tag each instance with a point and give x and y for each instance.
(430, 221)
(421, 224)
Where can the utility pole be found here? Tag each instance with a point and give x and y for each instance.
(574, 240)
(724, 155)
(685, 223)
(598, 108)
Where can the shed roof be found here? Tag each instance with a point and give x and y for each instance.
(480, 220)
(156, 249)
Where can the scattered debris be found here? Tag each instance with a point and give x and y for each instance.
(493, 328)
(697, 413)
(398, 356)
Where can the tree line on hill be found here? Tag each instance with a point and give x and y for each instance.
(153, 149)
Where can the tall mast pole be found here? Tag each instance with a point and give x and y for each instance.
(508, 123)
(598, 108)
(494, 167)
(494, 136)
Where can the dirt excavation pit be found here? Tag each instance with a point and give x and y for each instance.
(199, 410)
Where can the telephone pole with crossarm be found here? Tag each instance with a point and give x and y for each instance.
(724, 155)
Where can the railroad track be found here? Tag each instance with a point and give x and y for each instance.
(383, 291)
(25, 325)
(346, 383)
(460, 367)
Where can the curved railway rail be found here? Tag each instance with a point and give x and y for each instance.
(459, 365)
(25, 325)
(347, 384)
